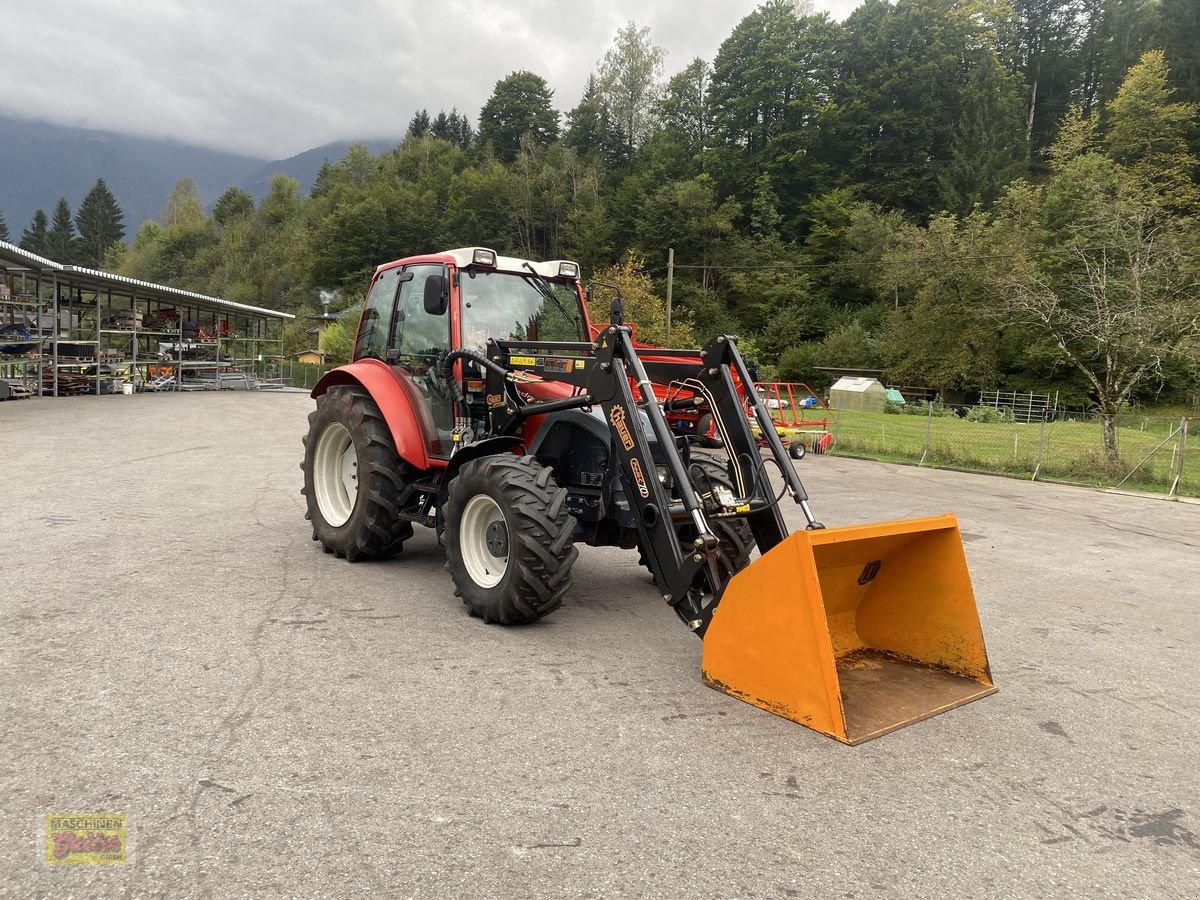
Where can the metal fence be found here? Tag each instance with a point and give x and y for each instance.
(1152, 453)
(291, 374)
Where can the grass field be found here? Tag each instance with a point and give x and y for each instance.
(1060, 450)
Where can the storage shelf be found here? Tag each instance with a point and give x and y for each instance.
(23, 360)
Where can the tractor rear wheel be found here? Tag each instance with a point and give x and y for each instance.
(353, 478)
(509, 539)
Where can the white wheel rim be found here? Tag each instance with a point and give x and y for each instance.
(335, 474)
(485, 568)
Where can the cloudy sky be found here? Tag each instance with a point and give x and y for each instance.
(274, 77)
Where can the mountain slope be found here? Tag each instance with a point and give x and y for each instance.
(304, 166)
(39, 162)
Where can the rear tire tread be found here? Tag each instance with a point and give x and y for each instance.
(374, 531)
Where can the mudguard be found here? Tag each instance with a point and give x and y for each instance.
(398, 402)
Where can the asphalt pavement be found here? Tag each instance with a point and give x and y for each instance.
(274, 722)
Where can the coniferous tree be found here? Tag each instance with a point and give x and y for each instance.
(419, 125)
(101, 224)
(463, 131)
(61, 242)
(323, 179)
(1181, 43)
(3, 228)
(33, 238)
(452, 127)
(988, 148)
(593, 133)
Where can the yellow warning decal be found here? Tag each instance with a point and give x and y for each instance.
(742, 507)
(522, 361)
(579, 363)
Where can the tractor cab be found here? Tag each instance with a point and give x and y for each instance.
(416, 307)
(420, 308)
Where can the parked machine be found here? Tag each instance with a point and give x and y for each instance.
(478, 405)
(801, 418)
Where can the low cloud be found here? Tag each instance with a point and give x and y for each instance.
(273, 79)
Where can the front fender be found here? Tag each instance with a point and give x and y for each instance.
(399, 404)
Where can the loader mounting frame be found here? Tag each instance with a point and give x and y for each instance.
(605, 374)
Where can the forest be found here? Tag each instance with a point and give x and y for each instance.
(966, 194)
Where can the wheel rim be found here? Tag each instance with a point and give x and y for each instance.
(335, 474)
(483, 541)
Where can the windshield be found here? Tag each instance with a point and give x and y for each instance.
(511, 307)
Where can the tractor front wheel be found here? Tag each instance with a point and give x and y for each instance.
(509, 539)
(353, 477)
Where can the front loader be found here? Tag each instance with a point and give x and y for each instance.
(479, 405)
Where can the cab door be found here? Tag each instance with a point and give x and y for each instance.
(419, 342)
(397, 329)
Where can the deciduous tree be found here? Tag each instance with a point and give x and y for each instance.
(1149, 133)
(232, 205)
(629, 82)
(519, 105)
(1121, 299)
(644, 308)
(183, 206)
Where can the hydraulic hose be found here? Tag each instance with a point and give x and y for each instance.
(470, 356)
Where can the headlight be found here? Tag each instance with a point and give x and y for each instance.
(484, 257)
(568, 270)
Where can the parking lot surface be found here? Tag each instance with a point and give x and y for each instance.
(274, 722)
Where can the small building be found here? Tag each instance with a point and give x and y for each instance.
(857, 393)
(309, 358)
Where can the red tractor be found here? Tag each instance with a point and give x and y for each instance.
(481, 404)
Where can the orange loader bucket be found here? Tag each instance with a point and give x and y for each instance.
(853, 631)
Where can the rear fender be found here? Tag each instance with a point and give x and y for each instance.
(395, 402)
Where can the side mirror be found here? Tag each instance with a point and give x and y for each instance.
(437, 297)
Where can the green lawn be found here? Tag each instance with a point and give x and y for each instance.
(1069, 450)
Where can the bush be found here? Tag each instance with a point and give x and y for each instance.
(937, 408)
(989, 415)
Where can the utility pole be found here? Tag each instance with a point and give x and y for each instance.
(670, 285)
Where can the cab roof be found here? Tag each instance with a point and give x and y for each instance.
(462, 257)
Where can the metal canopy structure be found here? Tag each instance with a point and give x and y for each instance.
(145, 333)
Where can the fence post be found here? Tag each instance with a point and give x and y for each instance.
(1041, 445)
(1182, 449)
(837, 430)
(928, 429)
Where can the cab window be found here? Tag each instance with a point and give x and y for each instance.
(372, 339)
(511, 307)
